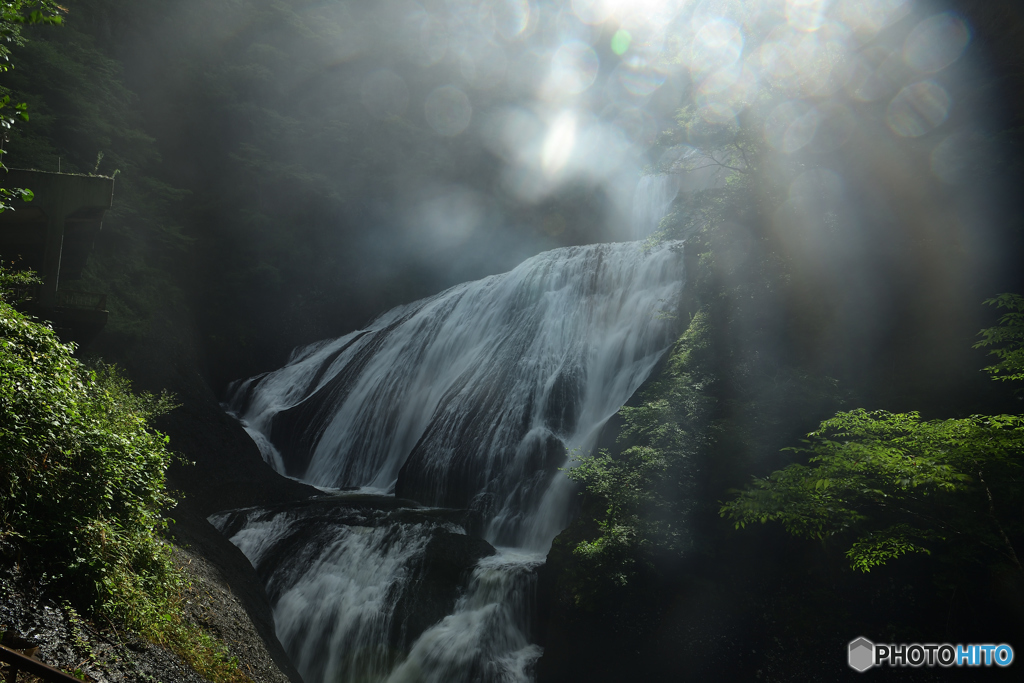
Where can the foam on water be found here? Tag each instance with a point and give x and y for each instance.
(473, 398)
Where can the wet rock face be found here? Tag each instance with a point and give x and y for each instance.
(470, 399)
(441, 572)
(68, 641)
(355, 579)
(297, 430)
(458, 480)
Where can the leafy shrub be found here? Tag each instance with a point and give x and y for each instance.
(81, 474)
(82, 487)
(891, 484)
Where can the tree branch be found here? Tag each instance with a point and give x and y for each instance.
(995, 520)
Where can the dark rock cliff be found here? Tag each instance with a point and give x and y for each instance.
(221, 469)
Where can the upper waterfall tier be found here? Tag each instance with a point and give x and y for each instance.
(472, 398)
(652, 199)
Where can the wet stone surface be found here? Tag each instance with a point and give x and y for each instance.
(76, 645)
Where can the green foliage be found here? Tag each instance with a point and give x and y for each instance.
(641, 494)
(82, 487)
(13, 283)
(627, 486)
(725, 397)
(14, 14)
(85, 120)
(897, 484)
(1009, 336)
(890, 481)
(81, 474)
(205, 654)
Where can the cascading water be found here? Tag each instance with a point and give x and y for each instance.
(652, 199)
(347, 578)
(470, 399)
(485, 638)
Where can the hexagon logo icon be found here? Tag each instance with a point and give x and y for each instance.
(862, 654)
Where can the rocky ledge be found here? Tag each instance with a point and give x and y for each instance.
(93, 652)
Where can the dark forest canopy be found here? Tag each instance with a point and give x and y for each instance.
(280, 172)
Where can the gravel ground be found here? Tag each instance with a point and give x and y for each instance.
(212, 605)
(71, 643)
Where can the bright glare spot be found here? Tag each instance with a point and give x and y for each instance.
(806, 15)
(573, 68)
(776, 61)
(513, 134)
(918, 109)
(718, 43)
(483, 64)
(633, 80)
(733, 86)
(936, 42)
(872, 75)
(425, 38)
(718, 113)
(791, 126)
(593, 11)
(628, 12)
(559, 143)
(637, 125)
(673, 158)
(511, 17)
(803, 63)
(621, 41)
(569, 117)
(448, 110)
(446, 216)
(871, 16)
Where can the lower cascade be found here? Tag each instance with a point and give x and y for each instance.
(468, 402)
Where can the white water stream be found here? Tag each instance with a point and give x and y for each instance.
(487, 636)
(652, 199)
(472, 398)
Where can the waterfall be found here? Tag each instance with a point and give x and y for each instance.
(486, 637)
(472, 401)
(471, 398)
(353, 586)
(652, 199)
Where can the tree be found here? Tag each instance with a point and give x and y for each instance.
(642, 497)
(13, 15)
(83, 489)
(891, 483)
(1007, 337)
